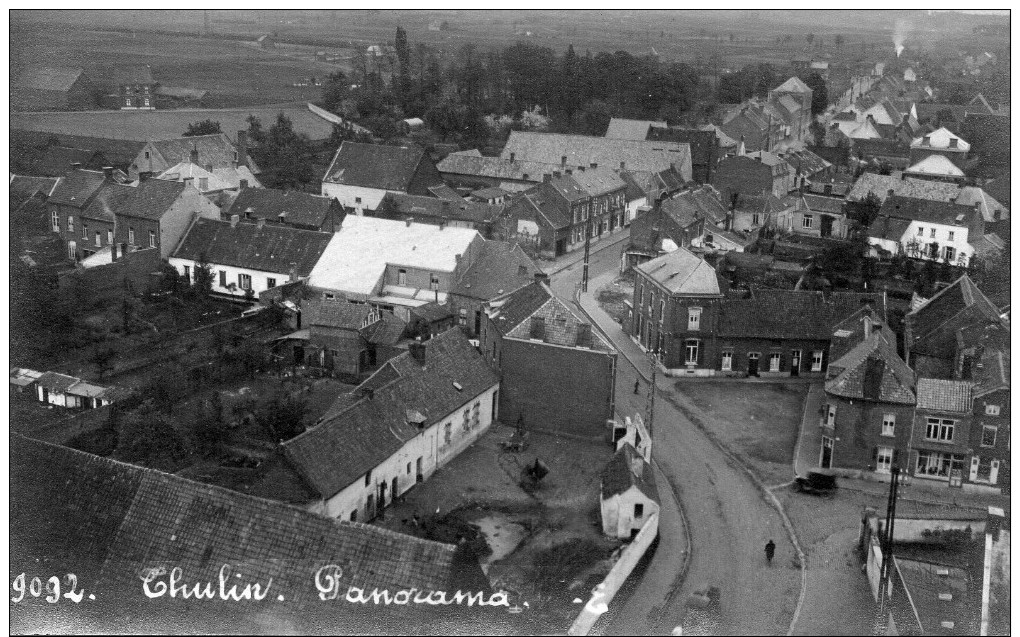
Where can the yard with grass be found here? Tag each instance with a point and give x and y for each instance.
(546, 546)
(758, 421)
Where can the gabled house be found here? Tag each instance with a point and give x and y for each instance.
(499, 268)
(867, 418)
(936, 167)
(753, 174)
(211, 152)
(69, 391)
(882, 186)
(208, 180)
(286, 207)
(681, 221)
(348, 339)
(750, 212)
(483, 217)
(941, 430)
(927, 229)
(629, 495)
(154, 214)
(531, 337)
(470, 169)
(815, 216)
(38, 88)
(990, 422)
(706, 148)
(940, 142)
(414, 415)
(361, 174)
(57, 160)
(631, 129)
(247, 258)
(136, 90)
(794, 97)
(394, 265)
(69, 200)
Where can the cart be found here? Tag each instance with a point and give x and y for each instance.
(817, 483)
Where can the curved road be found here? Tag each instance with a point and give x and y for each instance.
(729, 520)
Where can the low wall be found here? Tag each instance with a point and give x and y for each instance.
(605, 591)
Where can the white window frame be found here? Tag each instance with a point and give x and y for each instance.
(949, 253)
(940, 430)
(72, 250)
(884, 460)
(270, 282)
(691, 347)
(109, 237)
(662, 312)
(889, 425)
(756, 219)
(401, 277)
(99, 239)
(932, 234)
(991, 410)
(817, 356)
(920, 231)
(807, 222)
(727, 361)
(433, 281)
(775, 361)
(693, 319)
(830, 415)
(131, 236)
(152, 238)
(55, 219)
(951, 235)
(85, 232)
(243, 278)
(70, 223)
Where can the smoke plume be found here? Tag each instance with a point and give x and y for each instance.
(900, 35)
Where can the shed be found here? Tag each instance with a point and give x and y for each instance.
(629, 494)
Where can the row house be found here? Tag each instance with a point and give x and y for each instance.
(530, 336)
(245, 258)
(469, 169)
(286, 207)
(682, 313)
(927, 229)
(567, 208)
(360, 175)
(883, 186)
(409, 419)
(486, 218)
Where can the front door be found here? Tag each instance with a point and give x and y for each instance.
(826, 226)
(825, 462)
(795, 363)
(395, 489)
(561, 247)
(752, 363)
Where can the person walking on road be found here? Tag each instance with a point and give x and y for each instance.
(770, 551)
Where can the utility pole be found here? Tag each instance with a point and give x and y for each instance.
(587, 250)
(651, 393)
(887, 542)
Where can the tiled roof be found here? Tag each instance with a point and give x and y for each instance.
(872, 370)
(792, 85)
(181, 92)
(214, 149)
(890, 228)
(547, 206)
(937, 165)
(57, 160)
(927, 210)
(152, 198)
(400, 206)
(560, 323)
(334, 313)
(581, 150)
(119, 520)
(388, 330)
(924, 585)
(634, 189)
(113, 199)
(57, 382)
(944, 395)
(348, 443)
(77, 188)
(267, 249)
(300, 208)
(999, 188)
(498, 268)
(23, 188)
(632, 129)
(492, 192)
(442, 191)
(132, 74)
(700, 203)
(375, 166)
(682, 272)
(933, 325)
(778, 314)
(808, 162)
(628, 469)
(48, 78)
(117, 151)
(432, 312)
(494, 167)
(824, 204)
(880, 185)
(991, 209)
(597, 181)
(993, 373)
(219, 179)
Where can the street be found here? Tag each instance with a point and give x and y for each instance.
(728, 519)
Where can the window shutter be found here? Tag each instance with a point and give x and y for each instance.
(974, 463)
(895, 457)
(874, 456)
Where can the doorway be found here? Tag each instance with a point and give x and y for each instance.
(395, 489)
(826, 226)
(561, 247)
(795, 363)
(825, 461)
(752, 364)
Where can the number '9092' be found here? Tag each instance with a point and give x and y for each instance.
(51, 589)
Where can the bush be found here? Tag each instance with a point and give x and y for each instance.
(563, 562)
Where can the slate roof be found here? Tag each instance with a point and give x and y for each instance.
(348, 443)
(299, 208)
(132, 74)
(818, 203)
(937, 165)
(57, 382)
(941, 212)
(46, 78)
(491, 192)
(890, 228)
(119, 152)
(699, 203)
(928, 323)
(433, 312)
(181, 92)
(619, 475)
(400, 206)
(112, 199)
(374, 166)
(388, 330)
(808, 162)
(597, 181)
(513, 315)
(219, 179)
(334, 313)
(944, 395)
(152, 198)
(911, 187)
(999, 188)
(993, 374)
(682, 272)
(24, 188)
(632, 129)
(498, 268)
(494, 167)
(872, 370)
(581, 150)
(703, 141)
(77, 188)
(57, 160)
(546, 206)
(119, 520)
(267, 249)
(793, 85)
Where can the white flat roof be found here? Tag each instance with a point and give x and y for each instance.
(357, 255)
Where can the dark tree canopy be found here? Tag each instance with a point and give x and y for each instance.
(205, 127)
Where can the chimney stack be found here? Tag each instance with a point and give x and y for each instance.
(242, 147)
(244, 184)
(234, 219)
(144, 175)
(546, 177)
(557, 174)
(541, 277)
(417, 350)
(194, 155)
(108, 172)
(594, 164)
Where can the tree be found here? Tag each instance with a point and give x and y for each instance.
(335, 90)
(346, 132)
(149, 437)
(205, 127)
(403, 50)
(865, 211)
(285, 157)
(819, 93)
(203, 276)
(282, 418)
(209, 429)
(102, 358)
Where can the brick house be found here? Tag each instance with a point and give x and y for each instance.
(499, 268)
(941, 430)
(867, 418)
(212, 152)
(68, 202)
(753, 175)
(156, 214)
(682, 313)
(705, 149)
(556, 215)
(413, 416)
(990, 424)
(136, 90)
(286, 207)
(471, 170)
(360, 175)
(557, 373)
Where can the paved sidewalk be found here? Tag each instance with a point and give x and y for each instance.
(809, 443)
(559, 264)
(611, 329)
